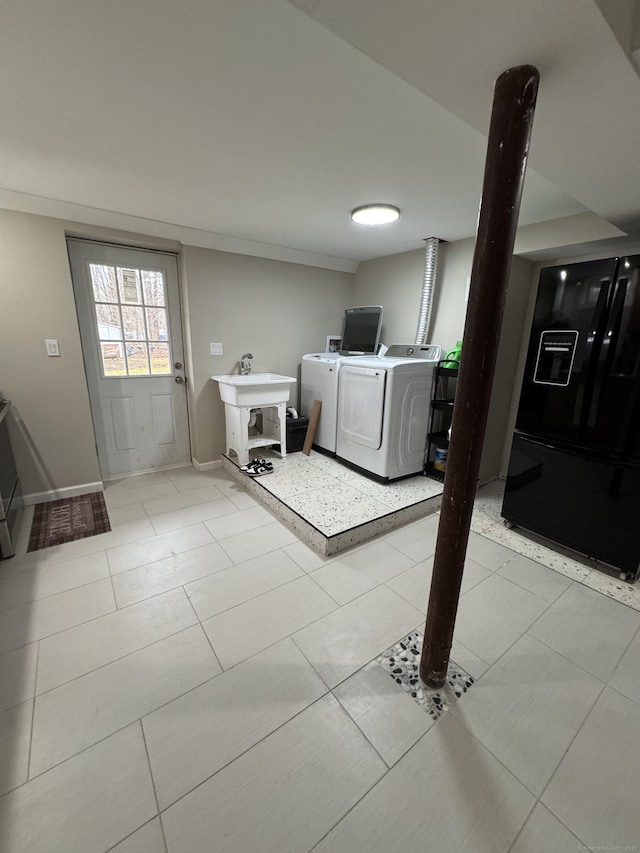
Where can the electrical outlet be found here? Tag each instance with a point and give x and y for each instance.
(216, 349)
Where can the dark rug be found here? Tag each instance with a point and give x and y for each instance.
(68, 519)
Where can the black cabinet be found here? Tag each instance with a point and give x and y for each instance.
(445, 380)
(584, 500)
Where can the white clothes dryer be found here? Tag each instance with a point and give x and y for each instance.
(383, 410)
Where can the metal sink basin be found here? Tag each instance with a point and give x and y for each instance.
(255, 389)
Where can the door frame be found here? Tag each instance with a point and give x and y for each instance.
(97, 419)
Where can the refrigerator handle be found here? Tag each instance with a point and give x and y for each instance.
(539, 442)
(584, 391)
(609, 342)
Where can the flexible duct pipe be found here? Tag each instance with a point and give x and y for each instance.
(428, 286)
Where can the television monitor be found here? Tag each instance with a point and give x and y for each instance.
(361, 333)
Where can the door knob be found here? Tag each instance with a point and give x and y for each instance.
(179, 379)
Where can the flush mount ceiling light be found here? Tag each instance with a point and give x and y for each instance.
(375, 214)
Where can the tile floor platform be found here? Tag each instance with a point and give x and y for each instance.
(200, 679)
(332, 507)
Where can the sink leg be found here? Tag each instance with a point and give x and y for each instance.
(282, 416)
(237, 427)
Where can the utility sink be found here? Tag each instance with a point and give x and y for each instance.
(255, 390)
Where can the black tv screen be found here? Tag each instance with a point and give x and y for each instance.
(362, 329)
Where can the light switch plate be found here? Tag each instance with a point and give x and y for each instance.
(52, 347)
(216, 349)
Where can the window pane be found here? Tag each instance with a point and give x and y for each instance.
(160, 359)
(138, 359)
(109, 325)
(113, 363)
(129, 283)
(157, 324)
(133, 321)
(153, 287)
(103, 280)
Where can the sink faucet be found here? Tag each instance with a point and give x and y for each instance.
(245, 364)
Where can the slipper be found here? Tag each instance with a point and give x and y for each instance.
(258, 468)
(253, 463)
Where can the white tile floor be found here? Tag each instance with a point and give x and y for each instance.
(200, 680)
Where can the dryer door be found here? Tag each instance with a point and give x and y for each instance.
(361, 404)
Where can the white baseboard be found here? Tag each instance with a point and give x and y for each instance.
(57, 494)
(147, 471)
(207, 466)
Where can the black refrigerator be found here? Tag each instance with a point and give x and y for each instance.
(574, 470)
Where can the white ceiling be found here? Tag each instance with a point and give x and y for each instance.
(233, 123)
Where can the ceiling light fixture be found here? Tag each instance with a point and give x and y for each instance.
(375, 214)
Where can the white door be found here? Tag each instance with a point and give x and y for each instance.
(129, 314)
(361, 405)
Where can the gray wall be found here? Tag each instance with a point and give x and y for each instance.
(277, 310)
(396, 283)
(393, 282)
(507, 379)
(52, 429)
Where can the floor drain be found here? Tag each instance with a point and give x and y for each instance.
(402, 662)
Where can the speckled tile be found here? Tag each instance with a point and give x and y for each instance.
(335, 469)
(286, 482)
(398, 495)
(310, 495)
(402, 663)
(382, 525)
(337, 507)
(258, 493)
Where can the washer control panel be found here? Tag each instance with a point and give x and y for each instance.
(428, 352)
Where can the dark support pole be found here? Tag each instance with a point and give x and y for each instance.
(511, 119)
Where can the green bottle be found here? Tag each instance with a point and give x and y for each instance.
(453, 357)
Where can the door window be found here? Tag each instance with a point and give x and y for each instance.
(131, 320)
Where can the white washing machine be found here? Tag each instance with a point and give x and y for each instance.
(319, 381)
(383, 410)
(319, 370)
